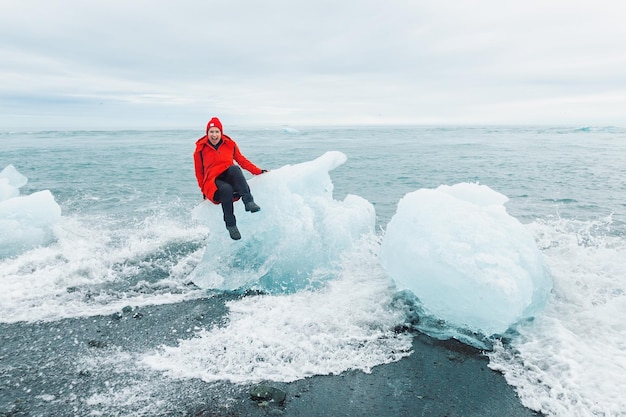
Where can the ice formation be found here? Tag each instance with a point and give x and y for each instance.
(299, 232)
(465, 258)
(25, 221)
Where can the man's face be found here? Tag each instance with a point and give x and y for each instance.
(214, 135)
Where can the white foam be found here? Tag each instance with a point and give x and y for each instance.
(571, 361)
(346, 325)
(69, 278)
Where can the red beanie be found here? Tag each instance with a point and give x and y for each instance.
(214, 122)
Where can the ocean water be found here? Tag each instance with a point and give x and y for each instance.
(127, 237)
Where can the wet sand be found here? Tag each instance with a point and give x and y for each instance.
(88, 366)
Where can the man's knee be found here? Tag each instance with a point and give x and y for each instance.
(235, 172)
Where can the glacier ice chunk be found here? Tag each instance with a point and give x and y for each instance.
(465, 258)
(300, 230)
(25, 221)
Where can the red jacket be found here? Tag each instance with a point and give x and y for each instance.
(210, 163)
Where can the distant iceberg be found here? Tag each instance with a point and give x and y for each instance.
(287, 129)
(25, 221)
(466, 259)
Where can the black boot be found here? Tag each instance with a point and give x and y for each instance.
(251, 206)
(234, 232)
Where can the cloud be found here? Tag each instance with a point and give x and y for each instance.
(164, 64)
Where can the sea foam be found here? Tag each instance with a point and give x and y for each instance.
(347, 324)
(571, 360)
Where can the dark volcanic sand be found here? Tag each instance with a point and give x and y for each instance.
(88, 367)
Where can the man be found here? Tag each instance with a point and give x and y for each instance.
(220, 180)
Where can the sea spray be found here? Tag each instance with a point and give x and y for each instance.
(571, 361)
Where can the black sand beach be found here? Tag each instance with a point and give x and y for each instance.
(88, 366)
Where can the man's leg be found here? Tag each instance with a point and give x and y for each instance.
(235, 177)
(224, 194)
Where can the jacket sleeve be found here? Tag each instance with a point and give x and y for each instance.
(245, 163)
(197, 161)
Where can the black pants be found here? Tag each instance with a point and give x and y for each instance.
(231, 183)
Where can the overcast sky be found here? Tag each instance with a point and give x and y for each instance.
(81, 64)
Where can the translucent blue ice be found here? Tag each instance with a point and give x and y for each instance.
(295, 238)
(25, 221)
(465, 258)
